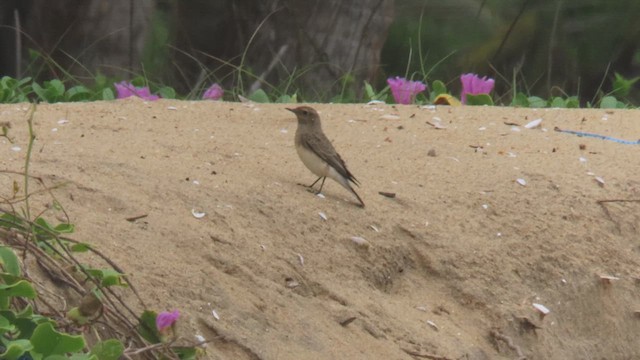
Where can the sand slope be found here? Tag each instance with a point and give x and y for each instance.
(453, 262)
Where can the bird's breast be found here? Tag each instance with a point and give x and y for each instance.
(312, 161)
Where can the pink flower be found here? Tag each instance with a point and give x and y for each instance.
(214, 92)
(474, 85)
(166, 319)
(125, 90)
(405, 91)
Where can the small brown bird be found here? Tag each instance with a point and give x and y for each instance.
(318, 154)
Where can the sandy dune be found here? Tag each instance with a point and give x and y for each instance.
(451, 266)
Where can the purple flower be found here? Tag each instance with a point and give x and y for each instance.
(166, 319)
(474, 85)
(126, 89)
(404, 91)
(214, 92)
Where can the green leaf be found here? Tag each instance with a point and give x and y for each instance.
(43, 227)
(537, 102)
(25, 327)
(107, 94)
(622, 86)
(111, 349)
(147, 327)
(39, 91)
(47, 341)
(284, 99)
(520, 100)
(437, 88)
(558, 102)
(6, 326)
(480, 99)
(78, 93)
(80, 247)
(16, 348)
(16, 288)
(259, 96)
(167, 92)
(608, 102)
(9, 261)
(108, 277)
(23, 322)
(64, 228)
(573, 102)
(21, 288)
(75, 357)
(186, 353)
(11, 221)
(368, 89)
(56, 87)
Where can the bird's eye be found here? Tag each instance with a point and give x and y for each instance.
(305, 112)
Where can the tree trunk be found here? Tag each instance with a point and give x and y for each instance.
(314, 42)
(81, 35)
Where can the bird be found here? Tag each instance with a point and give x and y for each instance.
(318, 154)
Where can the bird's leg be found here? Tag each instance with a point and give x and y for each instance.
(321, 185)
(310, 186)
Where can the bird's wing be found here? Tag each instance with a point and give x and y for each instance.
(322, 147)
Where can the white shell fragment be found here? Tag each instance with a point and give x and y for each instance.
(422, 308)
(522, 182)
(599, 180)
(63, 121)
(582, 159)
(374, 228)
(291, 284)
(320, 195)
(433, 325)
(360, 241)
(16, 148)
(301, 259)
(541, 308)
(376, 102)
(284, 131)
(198, 214)
(215, 314)
(533, 124)
(389, 117)
(172, 108)
(608, 279)
(323, 216)
(201, 339)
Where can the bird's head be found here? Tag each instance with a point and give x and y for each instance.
(306, 115)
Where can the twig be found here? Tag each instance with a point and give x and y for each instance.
(27, 160)
(16, 19)
(138, 217)
(424, 355)
(617, 200)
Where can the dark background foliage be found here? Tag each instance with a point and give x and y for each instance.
(324, 50)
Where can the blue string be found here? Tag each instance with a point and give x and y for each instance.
(598, 136)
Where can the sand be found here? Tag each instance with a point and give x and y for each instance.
(488, 218)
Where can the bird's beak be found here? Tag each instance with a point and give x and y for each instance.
(292, 110)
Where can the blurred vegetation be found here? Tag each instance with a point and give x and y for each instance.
(548, 52)
(545, 47)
